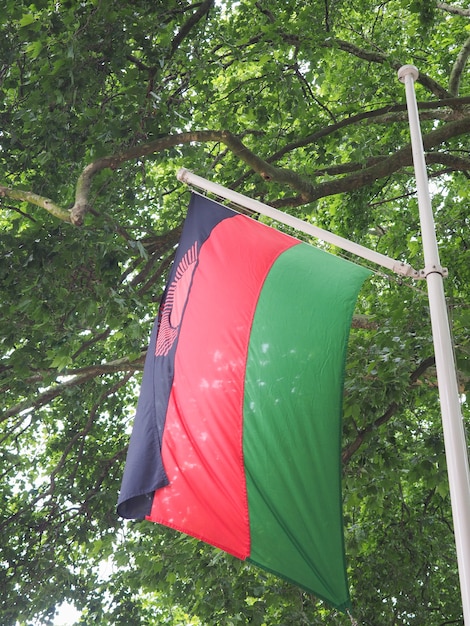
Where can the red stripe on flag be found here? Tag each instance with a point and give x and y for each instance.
(202, 448)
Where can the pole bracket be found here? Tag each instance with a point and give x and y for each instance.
(434, 269)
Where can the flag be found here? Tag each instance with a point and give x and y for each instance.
(236, 439)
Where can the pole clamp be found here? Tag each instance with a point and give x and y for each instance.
(434, 269)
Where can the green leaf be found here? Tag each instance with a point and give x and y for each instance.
(34, 49)
(27, 19)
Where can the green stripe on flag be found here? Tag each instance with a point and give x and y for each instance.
(292, 419)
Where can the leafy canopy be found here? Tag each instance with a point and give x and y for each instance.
(296, 104)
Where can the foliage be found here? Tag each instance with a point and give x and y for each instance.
(296, 104)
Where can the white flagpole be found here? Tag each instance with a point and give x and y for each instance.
(452, 420)
(239, 199)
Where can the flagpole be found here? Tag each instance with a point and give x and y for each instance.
(239, 199)
(452, 419)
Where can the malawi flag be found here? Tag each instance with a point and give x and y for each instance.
(236, 439)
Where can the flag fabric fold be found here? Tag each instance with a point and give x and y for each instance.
(236, 439)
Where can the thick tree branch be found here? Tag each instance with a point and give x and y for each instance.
(363, 434)
(82, 191)
(457, 69)
(452, 161)
(235, 145)
(453, 9)
(385, 167)
(32, 198)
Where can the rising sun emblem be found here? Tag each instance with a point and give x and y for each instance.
(175, 301)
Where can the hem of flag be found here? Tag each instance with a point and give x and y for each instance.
(347, 605)
(140, 500)
(239, 555)
(343, 607)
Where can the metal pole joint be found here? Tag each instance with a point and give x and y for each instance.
(434, 269)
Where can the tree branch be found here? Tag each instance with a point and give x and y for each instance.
(82, 190)
(32, 198)
(309, 192)
(189, 24)
(363, 434)
(363, 322)
(385, 167)
(379, 57)
(458, 67)
(79, 376)
(454, 103)
(88, 426)
(450, 160)
(454, 162)
(235, 145)
(453, 9)
(119, 365)
(307, 89)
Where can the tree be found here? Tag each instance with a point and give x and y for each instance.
(296, 104)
